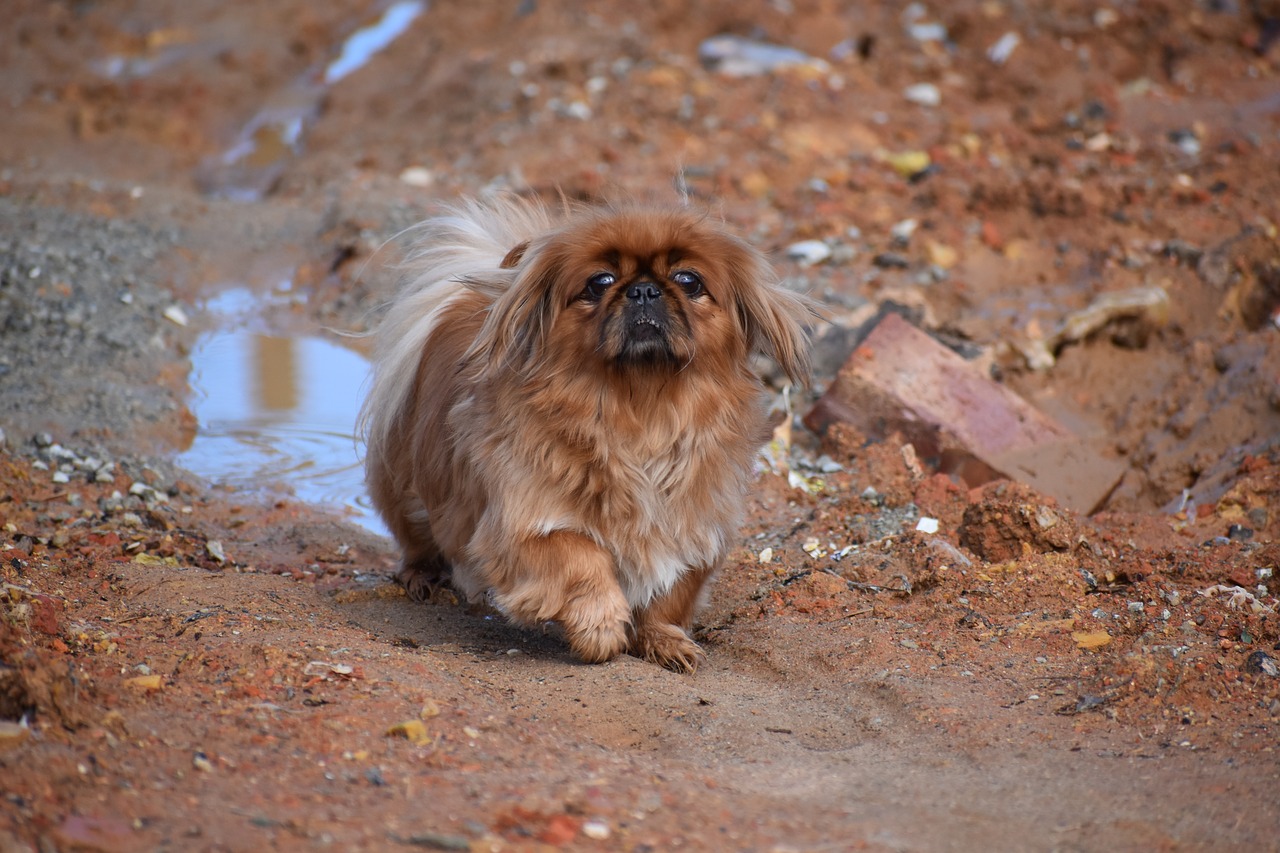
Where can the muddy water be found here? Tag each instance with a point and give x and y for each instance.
(250, 169)
(277, 410)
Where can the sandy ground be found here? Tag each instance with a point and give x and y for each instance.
(189, 666)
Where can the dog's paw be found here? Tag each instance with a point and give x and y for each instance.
(668, 646)
(423, 579)
(597, 630)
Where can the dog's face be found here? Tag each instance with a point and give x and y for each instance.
(639, 291)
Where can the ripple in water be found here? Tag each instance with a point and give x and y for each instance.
(278, 413)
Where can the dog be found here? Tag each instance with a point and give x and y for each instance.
(563, 418)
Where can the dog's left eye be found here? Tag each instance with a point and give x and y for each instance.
(689, 281)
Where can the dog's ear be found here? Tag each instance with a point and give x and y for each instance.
(514, 256)
(773, 319)
(513, 334)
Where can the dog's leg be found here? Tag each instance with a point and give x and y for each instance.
(567, 578)
(423, 575)
(662, 626)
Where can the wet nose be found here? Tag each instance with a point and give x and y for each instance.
(643, 292)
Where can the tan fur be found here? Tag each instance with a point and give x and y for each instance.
(519, 446)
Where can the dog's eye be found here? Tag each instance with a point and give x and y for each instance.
(598, 284)
(689, 281)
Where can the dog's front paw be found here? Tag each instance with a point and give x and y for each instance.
(668, 646)
(597, 629)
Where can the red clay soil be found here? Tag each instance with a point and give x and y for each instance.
(183, 667)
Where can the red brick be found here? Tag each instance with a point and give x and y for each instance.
(960, 421)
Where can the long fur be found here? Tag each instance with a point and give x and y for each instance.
(540, 447)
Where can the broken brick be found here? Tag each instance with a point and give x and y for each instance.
(960, 421)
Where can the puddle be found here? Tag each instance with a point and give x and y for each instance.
(277, 411)
(252, 166)
(360, 47)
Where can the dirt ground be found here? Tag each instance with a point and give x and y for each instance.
(186, 666)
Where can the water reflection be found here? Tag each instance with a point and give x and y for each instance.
(278, 412)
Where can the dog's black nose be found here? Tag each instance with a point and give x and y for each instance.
(643, 292)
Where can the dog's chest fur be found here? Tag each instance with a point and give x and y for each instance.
(661, 498)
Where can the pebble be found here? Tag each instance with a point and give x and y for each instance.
(908, 163)
(941, 255)
(927, 32)
(902, 231)
(214, 547)
(596, 830)
(1003, 48)
(417, 176)
(1261, 663)
(890, 261)
(201, 762)
(806, 253)
(174, 314)
(735, 56)
(924, 94)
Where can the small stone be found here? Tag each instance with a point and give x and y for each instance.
(214, 547)
(174, 314)
(596, 830)
(1091, 640)
(147, 683)
(417, 176)
(927, 32)
(927, 525)
(1003, 48)
(1135, 607)
(734, 56)
(414, 731)
(902, 231)
(941, 255)
(766, 556)
(201, 762)
(890, 261)
(806, 253)
(60, 477)
(924, 94)
(1239, 533)
(908, 163)
(1261, 663)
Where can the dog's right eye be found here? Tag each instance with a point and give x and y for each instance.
(598, 284)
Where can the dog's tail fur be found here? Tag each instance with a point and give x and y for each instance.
(463, 249)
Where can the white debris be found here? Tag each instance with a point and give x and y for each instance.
(924, 94)
(927, 525)
(806, 253)
(1003, 48)
(735, 56)
(417, 176)
(176, 315)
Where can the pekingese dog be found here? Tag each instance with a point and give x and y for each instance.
(563, 418)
